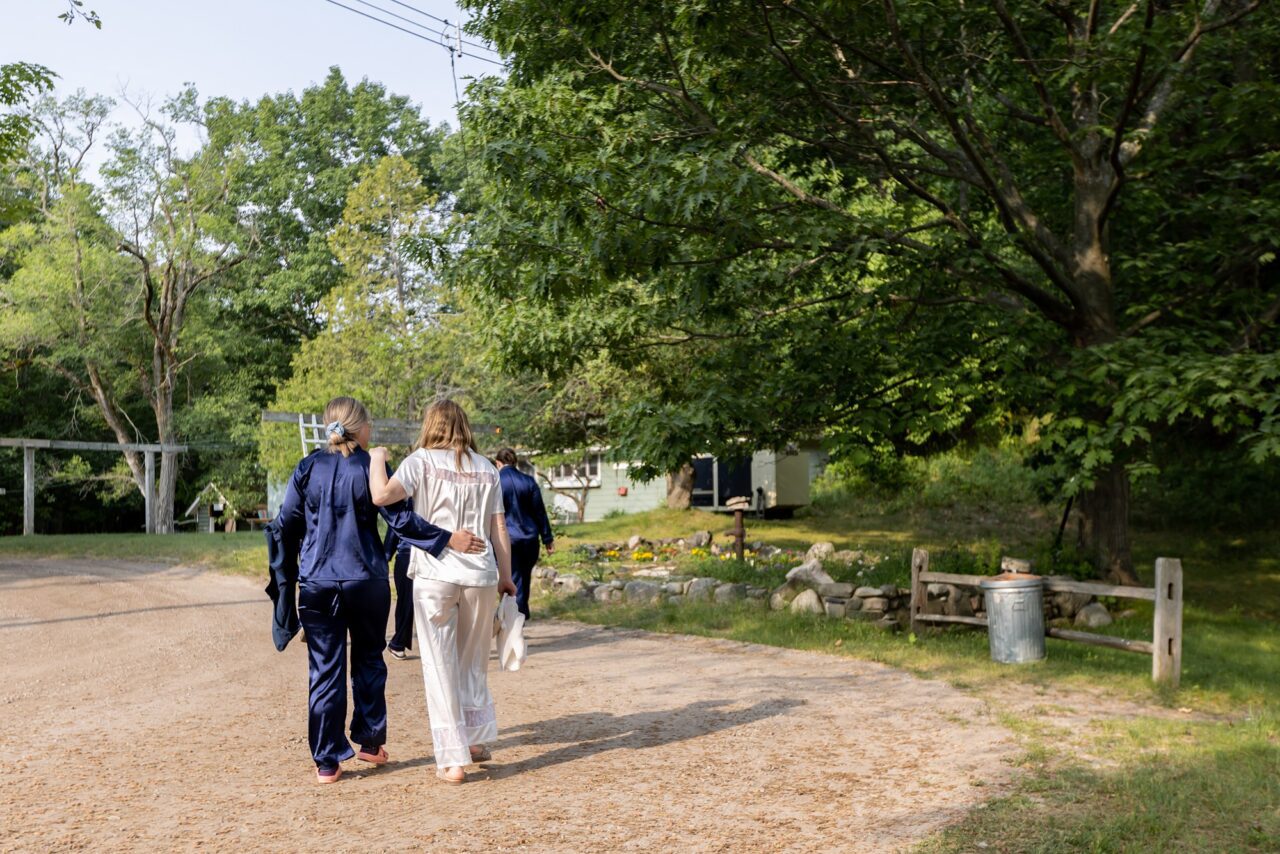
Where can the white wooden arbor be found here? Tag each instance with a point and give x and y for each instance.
(30, 446)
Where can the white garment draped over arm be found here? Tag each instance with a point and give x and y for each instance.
(512, 650)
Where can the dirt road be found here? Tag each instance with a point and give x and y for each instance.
(143, 707)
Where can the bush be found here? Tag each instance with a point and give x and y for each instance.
(772, 571)
(757, 571)
(979, 479)
(1205, 486)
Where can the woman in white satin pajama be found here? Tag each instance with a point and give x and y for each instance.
(455, 595)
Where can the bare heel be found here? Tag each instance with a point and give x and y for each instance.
(454, 776)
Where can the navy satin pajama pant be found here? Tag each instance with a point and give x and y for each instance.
(403, 637)
(329, 611)
(524, 557)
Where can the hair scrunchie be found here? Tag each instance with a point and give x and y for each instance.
(335, 428)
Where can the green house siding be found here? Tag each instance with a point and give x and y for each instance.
(604, 499)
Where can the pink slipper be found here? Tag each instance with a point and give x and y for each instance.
(379, 758)
(330, 777)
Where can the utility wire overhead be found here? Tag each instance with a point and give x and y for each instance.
(416, 35)
(408, 21)
(441, 20)
(422, 12)
(413, 23)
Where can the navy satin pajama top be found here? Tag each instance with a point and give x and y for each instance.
(327, 504)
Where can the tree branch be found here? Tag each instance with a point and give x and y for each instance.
(1161, 90)
(1056, 124)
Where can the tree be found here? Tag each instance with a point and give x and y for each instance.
(106, 304)
(294, 159)
(19, 82)
(924, 215)
(76, 11)
(385, 341)
(301, 155)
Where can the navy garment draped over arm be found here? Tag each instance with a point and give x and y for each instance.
(522, 500)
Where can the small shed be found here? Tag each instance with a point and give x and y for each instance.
(776, 481)
(210, 508)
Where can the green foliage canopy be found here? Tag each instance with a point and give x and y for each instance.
(891, 222)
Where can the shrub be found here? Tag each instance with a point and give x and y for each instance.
(982, 478)
(761, 572)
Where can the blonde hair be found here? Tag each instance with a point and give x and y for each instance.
(445, 425)
(350, 415)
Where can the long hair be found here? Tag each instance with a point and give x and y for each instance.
(445, 425)
(351, 415)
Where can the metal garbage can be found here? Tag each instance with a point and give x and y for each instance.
(1015, 617)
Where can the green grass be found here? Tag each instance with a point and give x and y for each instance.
(242, 553)
(1222, 572)
(1166, 786)
(1229, 662)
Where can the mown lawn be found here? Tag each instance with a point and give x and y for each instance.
(242, 553)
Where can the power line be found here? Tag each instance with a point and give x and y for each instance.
(413, 23)
(408, 21)
(414, 34)
(421, 12)
(444, 21)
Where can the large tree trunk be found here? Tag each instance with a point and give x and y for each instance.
(1104, 525)
(680, 488)
(1104, 509)
(167, 477)
(166, 492)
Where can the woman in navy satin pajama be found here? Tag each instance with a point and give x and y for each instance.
(342, 585)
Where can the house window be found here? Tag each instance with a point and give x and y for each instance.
(570, 475)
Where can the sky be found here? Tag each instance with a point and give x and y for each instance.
(238, 48)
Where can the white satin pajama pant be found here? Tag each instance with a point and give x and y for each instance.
(455, 633)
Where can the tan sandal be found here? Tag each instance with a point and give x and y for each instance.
(443, 774)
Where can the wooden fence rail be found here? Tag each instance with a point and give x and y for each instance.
(29, 447)
(1165, 647)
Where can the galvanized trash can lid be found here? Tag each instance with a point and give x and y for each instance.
(1010, 581)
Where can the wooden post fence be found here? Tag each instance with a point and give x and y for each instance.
(29, 447)
(28, 491)
(1166, 658)
(1165, 647)
(149, 502)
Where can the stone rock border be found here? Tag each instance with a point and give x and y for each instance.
(810, 589)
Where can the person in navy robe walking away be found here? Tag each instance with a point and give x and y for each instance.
(397, 551)
(527, 523)
(329, 521)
